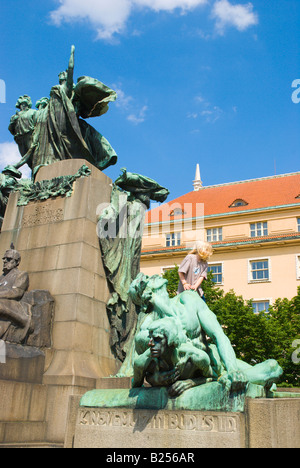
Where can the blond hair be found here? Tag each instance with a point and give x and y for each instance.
(203, 249)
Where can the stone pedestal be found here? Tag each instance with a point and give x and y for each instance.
(161, 423)
(146, 429)
(265, 423)
(59, 246)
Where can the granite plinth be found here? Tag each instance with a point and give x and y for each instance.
(59, 246)
(264, 422)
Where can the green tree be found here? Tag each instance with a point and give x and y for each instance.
(283, 331)
(173, 280)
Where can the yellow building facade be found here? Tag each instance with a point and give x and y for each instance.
(253, 226)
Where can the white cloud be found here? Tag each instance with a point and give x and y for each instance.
(110, 17)
(123, 100)
(9, 154)
(239, 16)
(170, 5)
(138, 117)
(212, 115)
(128, 105)
(205, 110)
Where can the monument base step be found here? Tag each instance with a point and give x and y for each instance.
(22, 433)
(38, 445)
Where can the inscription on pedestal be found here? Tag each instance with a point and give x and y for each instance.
(176, 421)
(42, 214)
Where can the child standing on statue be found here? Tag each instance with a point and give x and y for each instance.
(193, 269)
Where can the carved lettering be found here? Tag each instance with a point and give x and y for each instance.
(176, 421)
(42, 215)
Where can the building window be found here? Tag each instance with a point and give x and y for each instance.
(217, 271)
(174, 239)
(259, 229)
(177, 212)
(260, 306)
(298, 266)
(164, 270)
(259, 270)
(237, 203)
(214, 235)
(298, 223)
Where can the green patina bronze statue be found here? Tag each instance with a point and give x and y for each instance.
(57, 131)
(181, 350)
(180, 343)
(120, 230)
(22, 124)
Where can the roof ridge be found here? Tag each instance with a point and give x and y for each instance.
(250, 180)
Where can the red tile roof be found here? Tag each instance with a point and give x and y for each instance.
(217, 199)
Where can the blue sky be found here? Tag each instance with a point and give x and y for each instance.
(199, 81)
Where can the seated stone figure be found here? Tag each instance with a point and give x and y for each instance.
(22, 313)
(13, 285)
(172, 349)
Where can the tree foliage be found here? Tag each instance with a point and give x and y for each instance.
(255, 337)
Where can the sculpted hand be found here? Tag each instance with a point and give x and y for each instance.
(164, 379)
(179, 387)
(234, 381)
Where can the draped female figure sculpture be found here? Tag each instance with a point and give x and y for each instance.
(60, 133)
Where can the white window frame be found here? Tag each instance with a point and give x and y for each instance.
(264, 280)
(211, 264)
(297, 257)
(166, 268)
(256, 301)
(218, 234)
(256, 229)
(177, 236)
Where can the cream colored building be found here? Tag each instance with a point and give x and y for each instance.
(253, 225)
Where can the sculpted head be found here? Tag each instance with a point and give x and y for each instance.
(42, 103)
(164, 334)
(62, 77)
(24, 102)
(143, 287)
(11, 260)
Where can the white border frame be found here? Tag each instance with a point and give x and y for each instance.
(256, 222)
(266, 299)
(212, 241)
(258, 259)
(166, 267)
(297, 259)
(170, 234)
(222, 264)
